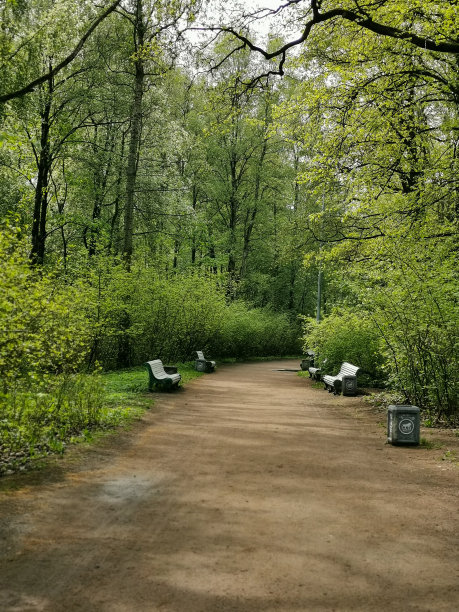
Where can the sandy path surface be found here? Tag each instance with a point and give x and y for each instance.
(247, 490)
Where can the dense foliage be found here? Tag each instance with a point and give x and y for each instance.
(159, 195)
(347, 336)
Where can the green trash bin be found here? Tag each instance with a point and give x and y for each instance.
(308, 361)
(403, 425)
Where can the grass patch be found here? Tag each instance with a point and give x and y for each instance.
(430, 444)
(70, 409)
(450, 456)
(130, 387)
(316, 384)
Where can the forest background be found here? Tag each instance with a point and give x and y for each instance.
(163, 190)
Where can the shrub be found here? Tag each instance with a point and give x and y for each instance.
(417, 313)
(347, 336)
(44, 322)
(171, 318)
(250, 332)
(33, 424)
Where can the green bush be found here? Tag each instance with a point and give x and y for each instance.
(44, 322)
(35, 423)
(177, 316)
(255, 332)
(417, 313)
(142, 317)
(347, 336)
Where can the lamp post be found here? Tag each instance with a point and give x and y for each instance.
(319, 295)
(319, 278)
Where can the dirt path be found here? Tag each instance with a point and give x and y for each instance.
(248, 490)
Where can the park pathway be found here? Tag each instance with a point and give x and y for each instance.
(248, 490)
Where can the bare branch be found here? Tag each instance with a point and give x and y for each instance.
(362, 19)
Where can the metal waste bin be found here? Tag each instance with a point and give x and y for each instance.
(200, 365)
(308, 361)
(403, 425)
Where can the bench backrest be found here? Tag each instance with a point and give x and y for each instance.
(200, 355)
(157, 368)
(347, 369)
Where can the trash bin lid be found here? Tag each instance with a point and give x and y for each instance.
(403, 408)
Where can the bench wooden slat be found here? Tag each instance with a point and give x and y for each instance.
(314, 373)
(158, 376)
(202, 364)
(346, 379)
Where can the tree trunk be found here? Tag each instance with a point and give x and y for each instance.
(125, 343)
(115, 237)
(37, 254)
(100, 184)
(252, 214)
(134, 143)
(194, 204)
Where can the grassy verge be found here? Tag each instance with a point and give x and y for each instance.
(70, 409)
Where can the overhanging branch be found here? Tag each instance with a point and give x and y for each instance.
(362, 20)
(49, 75)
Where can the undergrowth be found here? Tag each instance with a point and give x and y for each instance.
(68, 409)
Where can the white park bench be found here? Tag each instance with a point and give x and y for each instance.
(202, 364)
(163, 377)
(345, 380)
(316, 372)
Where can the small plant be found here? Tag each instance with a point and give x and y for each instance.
(429, 444)
(451, 456)
(384, 399)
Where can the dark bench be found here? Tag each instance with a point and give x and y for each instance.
(162, 377)
(345, 380)
(202, 364)
(307, 361)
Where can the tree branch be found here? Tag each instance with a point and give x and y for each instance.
(362, 20)
(49, 75)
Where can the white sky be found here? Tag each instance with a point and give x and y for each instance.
(230, 9)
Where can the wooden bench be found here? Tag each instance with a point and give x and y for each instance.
(315, 372)
(162, 377)
(202, 364)
(345, 380)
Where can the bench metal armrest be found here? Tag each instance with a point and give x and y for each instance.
(170, 369)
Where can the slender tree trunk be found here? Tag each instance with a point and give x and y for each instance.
(212, 255)
(60, 207)
(115, 239)
(194, 204)
(232, 219)
(101, 175)
(176, 252)
(37, 254)
(134, 143)
(293, 263)
(252, 214)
